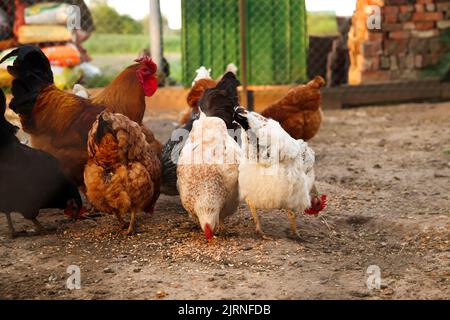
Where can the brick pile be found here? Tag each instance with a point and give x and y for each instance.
(408, 41)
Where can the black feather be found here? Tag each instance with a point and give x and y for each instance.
(103, 128)
(32, 72)
(30, 179)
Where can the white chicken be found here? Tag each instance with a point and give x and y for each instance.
(276, 171)
(208, 171)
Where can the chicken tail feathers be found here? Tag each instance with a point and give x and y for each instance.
(30, 60)
(32, 72)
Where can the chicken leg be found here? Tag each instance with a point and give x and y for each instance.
(256, 219)
(12, 232)
(131, 228)
(293, 220)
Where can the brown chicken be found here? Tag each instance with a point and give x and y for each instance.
(194, 97)
(59, 122)
(299, 112)
(123, 172)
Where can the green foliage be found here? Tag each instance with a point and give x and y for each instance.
(441, 69)
(129, 43)
(108, 20)
(322, 23)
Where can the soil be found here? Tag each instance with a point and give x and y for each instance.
(386, 171)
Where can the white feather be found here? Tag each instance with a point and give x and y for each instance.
(208, 170)
(277, 172)
(202, 73)
(80, 91)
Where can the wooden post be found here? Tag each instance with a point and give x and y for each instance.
(156, 32)
(243, 33)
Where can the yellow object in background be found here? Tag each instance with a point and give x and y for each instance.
(43, 33)
(5, 78)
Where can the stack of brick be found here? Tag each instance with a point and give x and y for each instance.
(408, 41)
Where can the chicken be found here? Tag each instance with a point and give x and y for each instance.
(123, 172)
(277, 171)
(221, 103)
(299, 112)
(31, 179)
(201, 83)
(208, 174)
(59, 122)
(126, 94)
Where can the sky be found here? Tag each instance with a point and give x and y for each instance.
(138, 9)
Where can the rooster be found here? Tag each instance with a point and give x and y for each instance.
(299, 112)
(31, 179)
(208, 174)
(223, 97)
(277, 171)
(123, 172)
(59, 122)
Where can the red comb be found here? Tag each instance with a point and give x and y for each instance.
(146, 75)
(315, 212)
(148, 63)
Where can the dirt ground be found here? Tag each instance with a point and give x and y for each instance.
(386, 171)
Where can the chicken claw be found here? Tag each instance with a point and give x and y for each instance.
(40, 229)
(257, 221)
(293, 219)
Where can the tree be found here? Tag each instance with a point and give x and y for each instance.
(108, 20)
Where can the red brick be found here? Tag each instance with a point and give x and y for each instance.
(389, 27)
(390, 17)
(407, 8)
(428, 16)
(375, 76)
(391, 10)
(425, 25)
(375, 36)
(409, 26)
(419, 8)
(395, 46)
(399, 35)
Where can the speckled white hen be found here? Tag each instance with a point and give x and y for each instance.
(208, 171)
(277, 171)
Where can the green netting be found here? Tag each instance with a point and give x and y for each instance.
(276, 39)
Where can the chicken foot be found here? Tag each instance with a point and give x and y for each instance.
(132, 227)
(256, 219)
(12, 232)
(293, 220)
(40, 229)
(123, 224)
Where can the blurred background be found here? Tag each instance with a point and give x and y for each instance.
(286, 42)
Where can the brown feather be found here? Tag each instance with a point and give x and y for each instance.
(299, 112)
